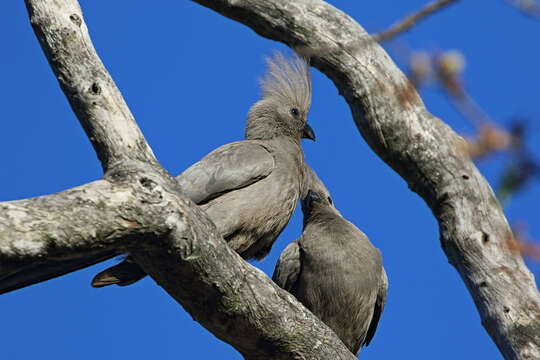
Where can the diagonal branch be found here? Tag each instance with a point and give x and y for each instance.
(392, 119)
(95, 99)
(52, 235)
(411, 20)
(56, 226)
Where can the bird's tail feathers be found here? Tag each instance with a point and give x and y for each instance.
(123, 274)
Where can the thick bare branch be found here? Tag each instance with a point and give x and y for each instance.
(47, 236)
(95, 99)
(393, 120)
(411, 20)
(56, 226)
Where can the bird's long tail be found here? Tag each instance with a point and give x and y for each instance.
(125, 273)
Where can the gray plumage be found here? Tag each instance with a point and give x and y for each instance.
(334, 270)
(248, 188)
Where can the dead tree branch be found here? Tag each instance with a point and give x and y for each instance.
(423, 150)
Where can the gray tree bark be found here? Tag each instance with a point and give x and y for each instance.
(138, 207)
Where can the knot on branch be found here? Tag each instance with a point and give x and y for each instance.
(76, 19)
(147, 183)
(95, 89)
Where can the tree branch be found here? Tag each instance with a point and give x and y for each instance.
(80, 220)
(95, 99)
(48, 236)
(411, 20)
(393, 120)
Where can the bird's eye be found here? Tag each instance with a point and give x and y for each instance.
(330, 200)
(295, 112)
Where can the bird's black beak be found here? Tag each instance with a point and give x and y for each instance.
(308, 133)
(311, 197)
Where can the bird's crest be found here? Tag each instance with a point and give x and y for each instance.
(287, 79)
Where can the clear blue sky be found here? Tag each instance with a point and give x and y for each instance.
(189, 76)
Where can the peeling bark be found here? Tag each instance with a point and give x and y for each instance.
(428, 155)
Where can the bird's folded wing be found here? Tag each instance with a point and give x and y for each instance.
(288, 267)
(379, 307)
(229, 167)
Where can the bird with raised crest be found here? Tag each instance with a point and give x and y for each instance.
(248, 188)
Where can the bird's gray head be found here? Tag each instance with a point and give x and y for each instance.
(286, 98)
(317, 197)
(316, 200)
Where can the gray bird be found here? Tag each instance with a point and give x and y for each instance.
(248, 188)
(334, 270)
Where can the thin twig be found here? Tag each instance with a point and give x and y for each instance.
(411, 20)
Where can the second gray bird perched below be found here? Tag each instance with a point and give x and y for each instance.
(250, 188)
(334, 270)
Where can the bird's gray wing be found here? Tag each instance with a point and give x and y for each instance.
(47, 270)
(288, 267)
(379, 307)
(229, 167)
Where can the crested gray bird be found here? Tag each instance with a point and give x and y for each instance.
(334, 270)
(248, 188)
